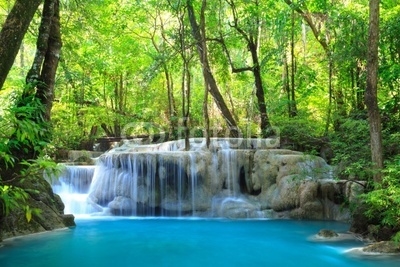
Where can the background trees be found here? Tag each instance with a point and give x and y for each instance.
(287, 64)
(140, 68)
(13, 31)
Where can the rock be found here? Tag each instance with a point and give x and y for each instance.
(286, 194)
(69, 220)
(82, 156)
(383, 247)
(234, 208)
(370, 226)
(122, 206)
(310, 210)
(47, 211)
(326, 233)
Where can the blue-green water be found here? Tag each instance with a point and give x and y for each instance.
(184, 242)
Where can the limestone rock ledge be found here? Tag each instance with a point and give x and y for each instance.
(51, 211)
(223, 181)
(383, 247)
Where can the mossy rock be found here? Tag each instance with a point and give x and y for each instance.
(326, 233)
(383, 247)
(40, 198)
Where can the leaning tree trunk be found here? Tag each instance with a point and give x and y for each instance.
(371, 99)
(199, 36)
(12, 33)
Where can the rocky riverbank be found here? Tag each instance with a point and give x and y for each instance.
(47, 211)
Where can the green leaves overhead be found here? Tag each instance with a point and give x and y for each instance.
(116, 54)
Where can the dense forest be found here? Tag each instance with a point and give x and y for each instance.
(323, 76)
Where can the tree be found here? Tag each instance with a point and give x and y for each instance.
(12, 33)
(44, 66)
(317, 22)
(199, 35)
(251, 37)
(32, 131)
(371, 95)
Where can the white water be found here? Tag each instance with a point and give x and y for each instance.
(164, 180)
(73, 188)
(149, 180)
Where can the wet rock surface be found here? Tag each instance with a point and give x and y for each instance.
(383, 247)
(47, 211)
(326, 233)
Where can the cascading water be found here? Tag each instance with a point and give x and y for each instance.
(236, 178)
(73, 187)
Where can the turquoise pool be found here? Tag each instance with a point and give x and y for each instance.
(119, 241)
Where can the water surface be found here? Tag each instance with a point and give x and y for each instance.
(185, 242)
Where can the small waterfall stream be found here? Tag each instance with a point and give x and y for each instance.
(73, 187)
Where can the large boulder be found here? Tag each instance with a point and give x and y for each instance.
(47, 211)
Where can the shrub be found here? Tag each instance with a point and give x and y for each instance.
(383, 201)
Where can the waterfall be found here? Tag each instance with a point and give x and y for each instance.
(193, 181)
(73, 187)
(123, 184)
(235, 178)
(154, 180)
(232, 199)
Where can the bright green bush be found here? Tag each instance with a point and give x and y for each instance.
(300, 134)
(23, 132)
(351, 148)
(384, 200)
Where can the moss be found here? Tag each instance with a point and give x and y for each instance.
(47, 211)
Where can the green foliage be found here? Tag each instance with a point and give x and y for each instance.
(24, 133)
(42, 166)
(351, 148)
(13, 197)
(300, 134)
(10, 197)
(28, 127)
(384, 200)
(391, 143)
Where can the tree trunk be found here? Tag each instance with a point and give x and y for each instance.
(252, 40)
(39, 92)
(322, 36)
(293, 107)
(13, 32)
(199, 36)
(371, 99)
(45, 91)
(286, 83)
(185, 89)
(171, 103)
(330, 89)
(265, 125)
(172, 113)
